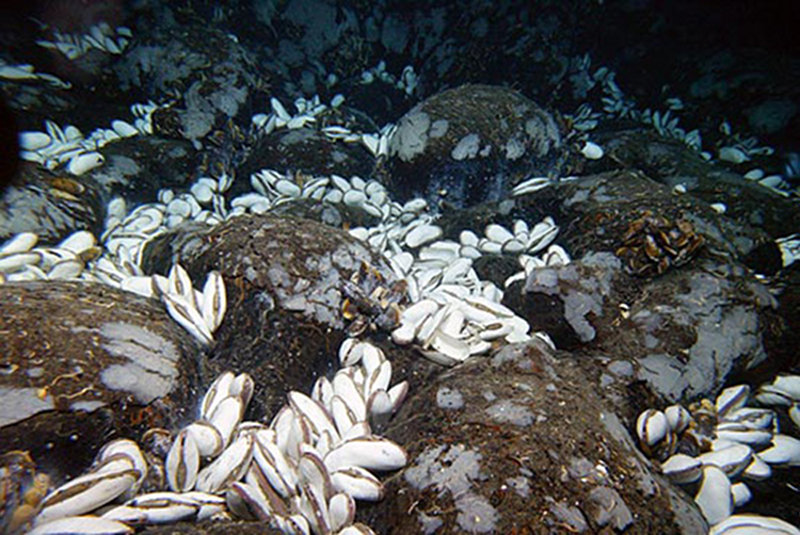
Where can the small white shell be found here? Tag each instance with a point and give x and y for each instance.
(731, 399)
(358, 483)
(678, 418)
(81, 525)
(714, 497)
(33, 140)
(592, 151)
(370, 453)
(422, 234)
(652, 427)
(743, 524)
(732, 155)
(785, 451)
(20, 243)
(682, 468)
(123, 129)
(85, 162)
(730, 460)
(230, 466)
(183, 462)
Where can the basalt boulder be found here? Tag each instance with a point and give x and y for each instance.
(83, 362)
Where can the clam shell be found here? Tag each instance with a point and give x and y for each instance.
(731, 460)
(732, 398)
(81, 525)
(33, 140)
(370, 453)
(422, 234)
(714, 497)
(784, 451)
(20, 243)
(183, 462)
(741, 494)
(230, 466)
(85, 162)
(358, 483)
(652, 427)
(744, 524)
(592, 151)
(682, 469)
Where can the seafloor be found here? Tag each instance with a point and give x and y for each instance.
(619, 176)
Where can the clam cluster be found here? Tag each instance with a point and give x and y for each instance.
(99, 37)
(733, 148)
(77, 258)
(652, 244)
(21, 259)
(301, 473)
(463, 313)
(67, 146)
(309, 111)
(26, 71)
(401, 229)
(774, 183)
(714, 448)
(406, 82)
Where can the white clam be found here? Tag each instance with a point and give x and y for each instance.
(183, 462)
(788, 385)
(85, 162)
(714, 496)
(652, 427)
(784, 451)
(750, 524)
(732, 398)
(369, 453)
(230, 466)
(81, 525)
(592, 151)
(682, 469)
(422, 234)
(678, 418)
(84, 494)
(20, 243)
(731, 460)
(741, 494)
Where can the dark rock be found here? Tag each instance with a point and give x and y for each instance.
(471, 144)
(306, 152)
(566, 301)
(596, 212)
(85, 362)
(52, 205)
(670, 162)
(689, 332)
(530, 447)
(692, 328)
(285, 282)
(209, 72)
(136, 168)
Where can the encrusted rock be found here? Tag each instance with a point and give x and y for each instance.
(82, 362)
(522, 442)
(307, 151)
(677, 329)
(136, 168)
(53, 205)
(471, 144)
(285, 280)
